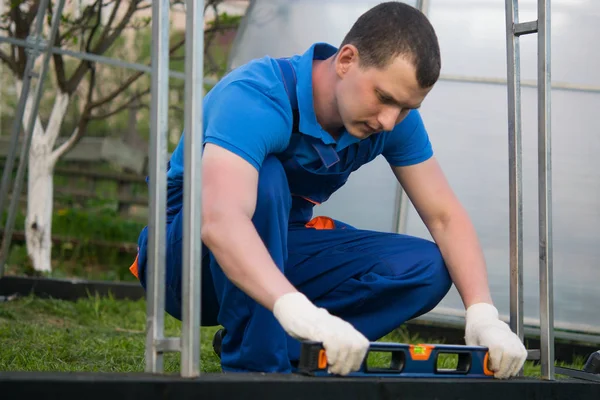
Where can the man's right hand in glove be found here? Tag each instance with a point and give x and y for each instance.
(345, 347)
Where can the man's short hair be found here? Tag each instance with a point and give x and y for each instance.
(392, 29)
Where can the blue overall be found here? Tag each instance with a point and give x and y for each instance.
(374, 280)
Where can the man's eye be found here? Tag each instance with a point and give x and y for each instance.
(383, 99)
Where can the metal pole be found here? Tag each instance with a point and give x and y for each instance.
(89, 57)
(12, 211)
(17, 121)
(514, 30)
(545, 193)
(155, 277)
(515, 169)
(192, 243)
(402, 207)
(423, 5)
(572, 87)
(402, 200)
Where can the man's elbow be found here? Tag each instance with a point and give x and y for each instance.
(213, 222)
(444, 219)
(218, 224)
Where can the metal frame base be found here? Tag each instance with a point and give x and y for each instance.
(575, 373)
(66, 386)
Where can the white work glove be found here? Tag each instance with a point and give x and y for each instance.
(484, 328)
(345, 347)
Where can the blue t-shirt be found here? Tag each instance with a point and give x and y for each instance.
(248, 112)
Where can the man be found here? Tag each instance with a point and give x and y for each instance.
(283, 135)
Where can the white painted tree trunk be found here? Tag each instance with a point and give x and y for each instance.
(40, 193)
(40, 184)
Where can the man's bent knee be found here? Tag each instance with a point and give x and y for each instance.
(419, 263)
(436, 277)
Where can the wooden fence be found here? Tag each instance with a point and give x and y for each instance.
(97, 150)
(90, 172)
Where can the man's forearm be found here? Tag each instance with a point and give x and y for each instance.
(244, 258)
(462, 253)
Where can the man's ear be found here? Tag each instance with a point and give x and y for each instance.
(346, 58)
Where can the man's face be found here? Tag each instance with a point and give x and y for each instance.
(372, 100)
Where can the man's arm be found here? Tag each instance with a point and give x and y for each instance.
(229, 193)
(450, 227)
(455, 235)
(229, 189)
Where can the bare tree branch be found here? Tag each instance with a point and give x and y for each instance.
(85, 117)
(58, 61)
(6, 59)
(30, 16)
(122, 107)
(83, 121)
(21, 32)
(79, 24)
(104, 43)
(117, 92)
(110, 21)
(66, 146)
(132, 79)
(59, 70)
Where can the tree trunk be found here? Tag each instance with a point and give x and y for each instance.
(40, 196)
(40, 181)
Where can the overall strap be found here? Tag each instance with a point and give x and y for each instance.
(327, 153)
(289, 82)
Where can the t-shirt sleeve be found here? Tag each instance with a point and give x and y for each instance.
(249, 121)
(408, 143)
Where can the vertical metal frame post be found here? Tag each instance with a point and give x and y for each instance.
(545, 192)
(189, 342)
(192, 189)
(514, 29)
(155, 272)
(402, 203)
(515, 167)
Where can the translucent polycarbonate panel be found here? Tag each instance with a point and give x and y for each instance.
(467, 124)
(473, 39)
(282, 28)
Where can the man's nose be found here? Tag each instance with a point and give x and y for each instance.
(389, 117)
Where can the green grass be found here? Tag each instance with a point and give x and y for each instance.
(91, 335)
(106, 335)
